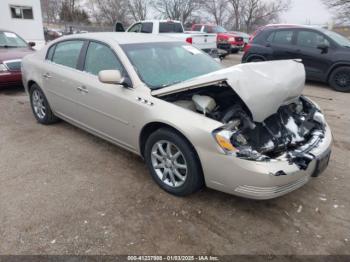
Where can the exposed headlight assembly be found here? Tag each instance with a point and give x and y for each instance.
(234, 143)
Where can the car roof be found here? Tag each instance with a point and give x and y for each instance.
(159, 21)
(282, 26)
(123, 37)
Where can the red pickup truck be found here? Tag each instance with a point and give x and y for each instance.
(225, 40)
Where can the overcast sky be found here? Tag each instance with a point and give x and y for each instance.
(307, 12)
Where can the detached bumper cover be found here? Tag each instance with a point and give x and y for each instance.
(260, 180)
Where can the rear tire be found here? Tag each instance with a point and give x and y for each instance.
(40, 106)
(339, 79)
(181, 175)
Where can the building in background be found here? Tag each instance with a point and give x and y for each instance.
(24, 18)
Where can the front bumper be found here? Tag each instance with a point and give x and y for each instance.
(260, 180)
(10, 78)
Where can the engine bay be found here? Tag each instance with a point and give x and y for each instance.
(282, 134)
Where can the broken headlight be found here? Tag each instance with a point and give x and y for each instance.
(233, 142)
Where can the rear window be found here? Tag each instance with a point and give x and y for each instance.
(67, 53)
(147, 28)
(284, 37)
(170, 27)
(197, 28)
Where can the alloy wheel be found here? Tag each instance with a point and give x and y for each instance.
(342, 79)
(38, 104)
(169, 163)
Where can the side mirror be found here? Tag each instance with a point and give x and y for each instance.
(323, 47)
(110, 77)
(31, 44)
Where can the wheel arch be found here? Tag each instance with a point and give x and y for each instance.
(252, 56)
(30, 83)
(151, 127)
(334, 67)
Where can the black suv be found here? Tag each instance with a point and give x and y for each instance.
(325, 54)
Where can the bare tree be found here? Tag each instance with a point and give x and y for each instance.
(259, 12)
(176, 9)
(218, 9)
(237, 10)
(138, 9)
(341, 9)
(110, 11)
(51, 10)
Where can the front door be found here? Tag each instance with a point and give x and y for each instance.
(317, 60)
(106, 108)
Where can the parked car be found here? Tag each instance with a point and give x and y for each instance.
(174, 29)
(325, 54)
(244, 130)
(12, 49)
(52, 34)
(246, 37)
(225, 40)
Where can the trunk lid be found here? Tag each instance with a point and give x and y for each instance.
(264, 87)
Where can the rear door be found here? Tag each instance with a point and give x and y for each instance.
(61, 77)
(282, 43)
(316, 61)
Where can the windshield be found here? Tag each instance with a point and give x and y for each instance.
(219, 29)
(170, 27)
(163, 64)
(339, 39)
(9, 39)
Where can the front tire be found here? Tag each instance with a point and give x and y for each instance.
(40, 106)
(173, 163)
(340, 79)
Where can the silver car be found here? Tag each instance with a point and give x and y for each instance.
(245, 130)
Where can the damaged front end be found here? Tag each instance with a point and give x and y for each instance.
(290, 134)
(264, 115)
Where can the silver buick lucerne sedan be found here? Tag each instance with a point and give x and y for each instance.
(245, 130)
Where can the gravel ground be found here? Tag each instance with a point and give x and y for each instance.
(63, 191)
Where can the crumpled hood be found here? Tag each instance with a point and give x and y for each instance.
(264, 87)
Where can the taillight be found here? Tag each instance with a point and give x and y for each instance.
(247, 47)
(189, 40)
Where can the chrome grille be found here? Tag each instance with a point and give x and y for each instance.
(13, 65)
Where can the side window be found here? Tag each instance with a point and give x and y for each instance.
(311, 39)
(270, 37)
(100, 57)
(147, 28)
(209, 29)
(50, 52)
(67, 53)
(135, 28)
(283, 37)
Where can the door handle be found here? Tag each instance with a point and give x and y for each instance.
(82, 89)
(47, 76)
